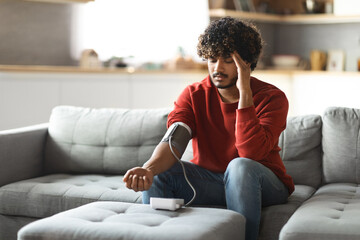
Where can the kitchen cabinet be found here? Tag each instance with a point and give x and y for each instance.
(27, 96)
(26, 99)
(92, 90)
(149, 90)
(311, 92)
(28, 93)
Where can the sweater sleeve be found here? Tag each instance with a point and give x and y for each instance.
(183, 111)
(258, 128)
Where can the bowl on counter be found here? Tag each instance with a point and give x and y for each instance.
(285, 61)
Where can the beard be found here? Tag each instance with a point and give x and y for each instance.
(231, 84)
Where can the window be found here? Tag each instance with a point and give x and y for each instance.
(148, 30)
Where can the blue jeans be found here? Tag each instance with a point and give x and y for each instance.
(245, 187)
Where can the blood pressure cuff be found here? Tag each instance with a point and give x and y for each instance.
(180, 135)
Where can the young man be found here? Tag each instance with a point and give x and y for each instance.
(234, 121)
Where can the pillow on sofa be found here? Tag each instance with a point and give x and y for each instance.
(341, 145)
(300, 145)
(104, 141)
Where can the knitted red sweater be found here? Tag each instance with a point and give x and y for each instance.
(221, 132)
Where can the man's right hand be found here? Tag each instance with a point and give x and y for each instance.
(141, 178)
(138, 179)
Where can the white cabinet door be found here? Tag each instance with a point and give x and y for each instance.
(313, 93)
(26, 99)
(159, 90)
(95, 90)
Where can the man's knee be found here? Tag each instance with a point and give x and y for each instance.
(241, 167)
(242, 163)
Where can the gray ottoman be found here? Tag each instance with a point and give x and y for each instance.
(117, 220)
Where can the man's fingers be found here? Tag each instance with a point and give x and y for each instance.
(126, 176)
(137, 180)
(239, 61)
(147, 183)
(135, 183)
(236, 60)
(128, 182)
(141, 184)
(129, 174)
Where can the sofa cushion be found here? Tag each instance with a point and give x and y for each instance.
(44, 196)
(300, 145)
(274, 217)
(341, 145)
(103, 141)
(332, 213)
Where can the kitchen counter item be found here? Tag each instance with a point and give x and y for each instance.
(285, 61)
(317, 60)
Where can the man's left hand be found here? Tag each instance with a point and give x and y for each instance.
(243, 69)
(243, 82)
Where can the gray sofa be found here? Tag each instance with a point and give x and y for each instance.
(81, 154)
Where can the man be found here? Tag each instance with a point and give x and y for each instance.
(234, 121)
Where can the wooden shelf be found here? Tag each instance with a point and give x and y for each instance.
(61, 1)
(286, 19)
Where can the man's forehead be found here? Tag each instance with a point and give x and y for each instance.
(221, 56)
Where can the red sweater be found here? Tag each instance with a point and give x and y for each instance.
(221, 132)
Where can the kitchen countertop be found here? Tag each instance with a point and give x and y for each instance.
(75, 69)
(131, 70)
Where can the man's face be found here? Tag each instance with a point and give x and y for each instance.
(223, 72)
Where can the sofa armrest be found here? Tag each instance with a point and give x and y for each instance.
(21, 153)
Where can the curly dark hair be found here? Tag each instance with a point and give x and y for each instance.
(226, 35)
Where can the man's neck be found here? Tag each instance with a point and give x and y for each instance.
(229, 95)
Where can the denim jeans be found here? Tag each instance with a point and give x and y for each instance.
(245, 187)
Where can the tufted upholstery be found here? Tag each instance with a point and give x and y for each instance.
(101, 144)
(274, 217)
(300, 145)
(51, 194)
(103, 141)
(114, 220)
(332, 213)
(341, 145)
(87, 151)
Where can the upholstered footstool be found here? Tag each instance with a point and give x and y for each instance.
(117, 220)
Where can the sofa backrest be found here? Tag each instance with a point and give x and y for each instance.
(111, 141)
(341, 145)
(108, 141)
(301, 152)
